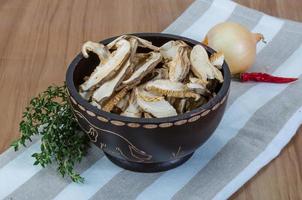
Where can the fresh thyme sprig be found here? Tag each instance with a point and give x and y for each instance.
(50, 115)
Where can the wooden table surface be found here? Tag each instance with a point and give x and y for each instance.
(38, 38)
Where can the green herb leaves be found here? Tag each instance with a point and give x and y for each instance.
(50, 115)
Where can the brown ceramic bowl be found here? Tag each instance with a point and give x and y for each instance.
(141, 144)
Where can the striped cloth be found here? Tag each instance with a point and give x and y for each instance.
(259, 121)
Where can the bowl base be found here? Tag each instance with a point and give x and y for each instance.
(148, 167)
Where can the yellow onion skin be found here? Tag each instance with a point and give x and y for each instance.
(236, 42)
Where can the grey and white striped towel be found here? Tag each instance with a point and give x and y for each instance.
(259, 121)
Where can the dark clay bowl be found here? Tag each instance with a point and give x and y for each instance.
(141, 144)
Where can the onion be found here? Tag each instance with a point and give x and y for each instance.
(236, 43)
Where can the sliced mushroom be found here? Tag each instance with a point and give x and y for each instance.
(143, 69)
(124, 102)
(133, 46)
(157, 107)
(113, 43)
(198, 80)
(107, 89)
(115, 99)
(139, 58)
(169, 50)
(133, 60)
(217, 59)
(97, 48)
(201, 65)
(198, 88)
(171, 89)
(141, 42)
(147, 96)
(180, 65)
(161, 73)
(136, 61)
(146, 44)
(132, 109)
(180, 105)
(218, 75)
(108, 68)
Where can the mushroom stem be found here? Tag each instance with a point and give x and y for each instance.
(97, 48)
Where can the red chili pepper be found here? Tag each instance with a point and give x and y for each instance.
(264, 77)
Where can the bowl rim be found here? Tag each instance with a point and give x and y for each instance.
(112, 116)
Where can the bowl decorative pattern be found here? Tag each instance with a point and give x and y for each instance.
(142, 144)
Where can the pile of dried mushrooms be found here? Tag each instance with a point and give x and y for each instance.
(168, 80)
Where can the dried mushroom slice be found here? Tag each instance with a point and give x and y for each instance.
(132, 109)
(113, 43)
(133, 60)
(198, 85)
(201, 66)
(171, 89)
(218, 75)
(124, 102)
(146, 44)
(179, 67)
(169, 50)
(198, 88)
(110, 67)
(97, 48)
(141, 42)
(133, 46)
(160, 73)
(115, 99)
(198, 80)
(143, 69)
(139, 58)
(107, 88)
(180, 105)
(217, 59)
(147, 96)
(159, 107)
